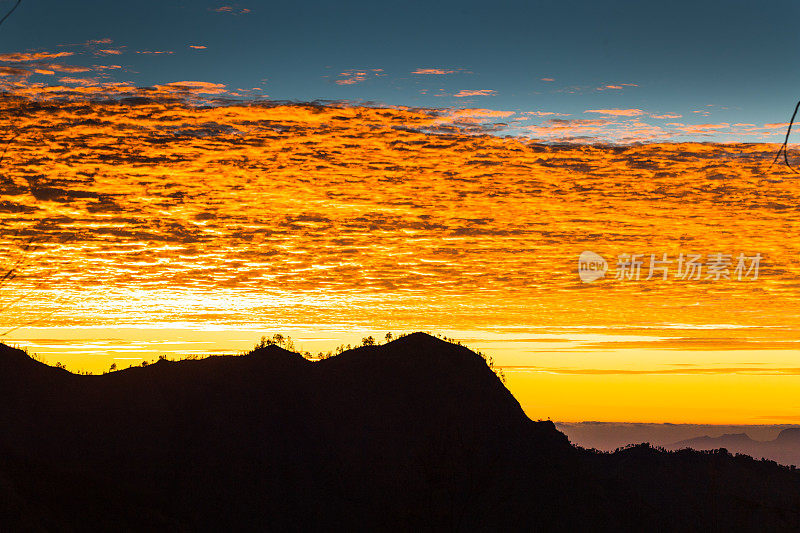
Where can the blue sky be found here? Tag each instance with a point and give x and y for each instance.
(664, 71)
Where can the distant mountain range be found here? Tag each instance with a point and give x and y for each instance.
(416, 434)
(608, 436)
(785, 449)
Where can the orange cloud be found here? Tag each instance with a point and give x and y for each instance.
(192, 87)
(32, 56)
(72, 69)
(597, 130)
(548, 79)
(618, 86)
(477, 92)
(14, 71)
(478, 113)
(78, 81)
(352, 77)
(357, 77)
(617, 112)
(197, 47)
(702, 128)
(545, 114)
(436, 71)
(30, 63)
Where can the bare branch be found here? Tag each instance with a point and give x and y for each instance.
(785, 146)
(12, 10)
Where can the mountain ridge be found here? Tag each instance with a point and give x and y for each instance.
(416, 433)
(784, 448)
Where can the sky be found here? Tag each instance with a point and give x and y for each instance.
(180, 178)
(561, 71)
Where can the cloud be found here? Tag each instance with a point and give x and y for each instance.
(72, 69)
(26, 64)
(197, 47)
(479, 113)
(192, 87)
(19, 57)
(468, 121)
(656, 371)
(45, 69)
(132, 173)
(620, 126)
(617, 86)
(14, 71)
(475, 92)
(566, 123)
(233, 10)
(703, 128)
(352, 77)
(545, 114)
(436, 71)
(155, 52)
(78, 81)
(548, 79)
(597, 130)
(617, 112)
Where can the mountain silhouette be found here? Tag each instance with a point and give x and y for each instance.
(414, 434)
(784, 449)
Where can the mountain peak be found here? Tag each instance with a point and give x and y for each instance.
(273, 354)
(273, 350)
(424, 343)
(417, 336)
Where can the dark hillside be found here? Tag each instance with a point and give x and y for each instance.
(417, 433)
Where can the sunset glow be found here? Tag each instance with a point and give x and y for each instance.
(160, 213)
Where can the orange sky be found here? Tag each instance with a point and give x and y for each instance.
(157, 214)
